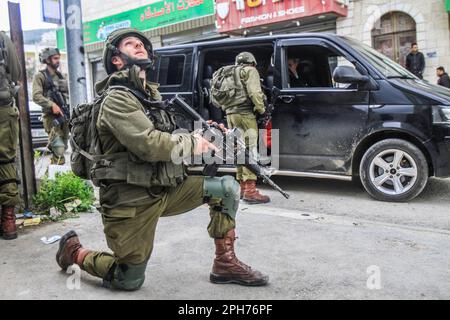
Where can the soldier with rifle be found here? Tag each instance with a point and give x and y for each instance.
(50, 91)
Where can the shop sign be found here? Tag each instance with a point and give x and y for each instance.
(243, 14)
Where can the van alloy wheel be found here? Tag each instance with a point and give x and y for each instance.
(393, 172)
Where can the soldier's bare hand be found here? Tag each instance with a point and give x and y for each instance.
(202, 145)
(220, 126)
(56, 110)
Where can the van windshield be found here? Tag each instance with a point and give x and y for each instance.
(386, 66)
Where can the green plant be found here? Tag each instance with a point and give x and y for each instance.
(37, 154)
(65, 189)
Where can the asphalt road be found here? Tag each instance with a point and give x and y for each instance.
(330, 241)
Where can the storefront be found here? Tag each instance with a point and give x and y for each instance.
(164, 22)
(255, 17)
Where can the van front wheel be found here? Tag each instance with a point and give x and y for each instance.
(394, 170)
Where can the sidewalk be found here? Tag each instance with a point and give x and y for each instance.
(307, 257)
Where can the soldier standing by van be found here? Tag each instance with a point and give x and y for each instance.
(140, 183)
(50, 91)
(9, 137)
(237, 90)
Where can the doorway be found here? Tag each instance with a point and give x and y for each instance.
(393, 35)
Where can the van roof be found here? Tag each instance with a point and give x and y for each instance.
(256, 39)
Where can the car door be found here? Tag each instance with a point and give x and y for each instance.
(320, 122)
(173, 71)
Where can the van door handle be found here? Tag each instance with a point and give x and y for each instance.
(287, 99)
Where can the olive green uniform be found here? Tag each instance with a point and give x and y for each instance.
(9, 131)
(243, 116)
(41, 97)
(130, 212)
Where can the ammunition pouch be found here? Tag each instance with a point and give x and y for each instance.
(124, 168)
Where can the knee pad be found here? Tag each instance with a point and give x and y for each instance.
(126, 277)
(58, 147)
(225, 188)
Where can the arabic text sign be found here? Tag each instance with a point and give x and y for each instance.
(155, 15)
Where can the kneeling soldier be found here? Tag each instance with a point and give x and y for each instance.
(133, 199)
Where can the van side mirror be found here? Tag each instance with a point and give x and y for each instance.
(347, 74)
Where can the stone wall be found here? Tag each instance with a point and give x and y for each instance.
(432, 26)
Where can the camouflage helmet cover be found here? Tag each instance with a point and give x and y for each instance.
(246, 58)
(113, 40)
(47, 53)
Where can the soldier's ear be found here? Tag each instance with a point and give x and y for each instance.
(117, 62)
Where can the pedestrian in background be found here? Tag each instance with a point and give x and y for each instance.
(444, 79)
(415, 61)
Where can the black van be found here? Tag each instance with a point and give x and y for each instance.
(354, 114)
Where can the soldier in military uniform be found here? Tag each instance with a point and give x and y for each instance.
(50, 91)
(9, 137)
(243, 116)
(140, 183)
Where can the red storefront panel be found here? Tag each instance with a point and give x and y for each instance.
(243, 14)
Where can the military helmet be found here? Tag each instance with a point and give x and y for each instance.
(113, 40)
(47, 53)
(246, 58)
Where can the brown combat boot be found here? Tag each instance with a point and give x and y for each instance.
(8, 225)
(252, 195)
(70, 251)
(228, 269)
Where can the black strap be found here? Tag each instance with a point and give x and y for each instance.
(108, 279)
(2, 163)
(5, 182)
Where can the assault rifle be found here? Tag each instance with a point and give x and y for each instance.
(240, 150)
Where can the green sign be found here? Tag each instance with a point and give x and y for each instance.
(447, 5)
(155, 15)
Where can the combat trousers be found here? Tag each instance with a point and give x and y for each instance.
(9, 138)
(130, 233)
(61, 131)
(245, 122)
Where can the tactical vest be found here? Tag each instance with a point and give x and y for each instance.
(6, 86)
(228, 91)
(124, 167)
(61, 86)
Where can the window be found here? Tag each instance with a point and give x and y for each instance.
(312, 66)
(171, 70)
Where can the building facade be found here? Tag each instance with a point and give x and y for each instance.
(390, 26)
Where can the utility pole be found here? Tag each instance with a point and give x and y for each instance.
(75, 51)
(26, 145)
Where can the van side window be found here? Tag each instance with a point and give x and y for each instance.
(171, 70)
(311, 66)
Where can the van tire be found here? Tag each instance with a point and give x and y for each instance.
(394, 170)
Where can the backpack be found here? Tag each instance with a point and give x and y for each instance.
(227, 89)
(6, 89)
(84, 137)
(84, 140)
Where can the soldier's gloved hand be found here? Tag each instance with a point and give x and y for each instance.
(202, 145)
(56, 110)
